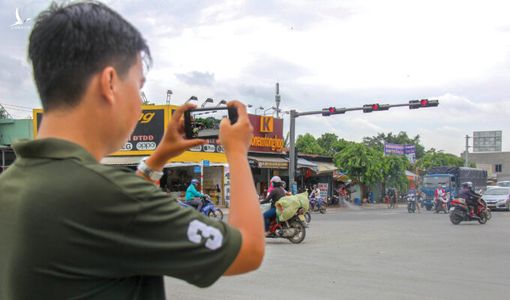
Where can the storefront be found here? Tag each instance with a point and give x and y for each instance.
(264, 166)
(317, 170)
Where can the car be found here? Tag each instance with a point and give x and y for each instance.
(498, 198)
(504, 183)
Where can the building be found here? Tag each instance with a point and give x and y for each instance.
(11, 131)
(497, 164)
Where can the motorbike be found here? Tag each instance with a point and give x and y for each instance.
(318, 204)
(411, 203)
(208, 208)
(459, 211)
(441, 205)
(292, 229)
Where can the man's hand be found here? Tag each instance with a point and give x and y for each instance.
(236, 138)
(173, 142)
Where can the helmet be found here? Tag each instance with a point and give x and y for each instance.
(467, 185)
(276, 179)
(194, 181)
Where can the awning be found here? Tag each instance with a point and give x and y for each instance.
(268, 162)
(303, 163)
(326, 167)
(135, 160)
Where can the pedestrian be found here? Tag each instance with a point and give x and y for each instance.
(72, 228)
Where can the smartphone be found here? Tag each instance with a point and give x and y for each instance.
(204, 123)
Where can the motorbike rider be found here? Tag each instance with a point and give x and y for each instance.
(271, 187)
(439, 194)
(316, 192)
(392, 194)
(193, 196)
(276, 193)
(413, 193)
(470, 196)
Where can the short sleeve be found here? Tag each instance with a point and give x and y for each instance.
(166, 239)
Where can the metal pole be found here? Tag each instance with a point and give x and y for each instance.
(292, 148)
(277, 100)
(202, 176)
(3, 160)
(466, 153)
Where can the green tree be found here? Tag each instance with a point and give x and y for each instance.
(395, 172)
(433, 158)
(378, 141)
(308, 144)
(327, 142)
(363, 164)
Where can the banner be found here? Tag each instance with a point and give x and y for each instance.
(408, 151)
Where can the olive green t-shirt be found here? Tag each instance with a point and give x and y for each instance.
(71, 228)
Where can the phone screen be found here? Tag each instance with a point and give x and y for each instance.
(203, 123)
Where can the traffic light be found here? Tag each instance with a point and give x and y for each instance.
(414, 104)
(332, 111)
(367, 108)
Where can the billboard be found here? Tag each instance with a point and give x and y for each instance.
(408, 151)
(144, 139)
(487, 141)
(267, 134)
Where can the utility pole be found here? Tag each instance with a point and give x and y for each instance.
(466, 152)
(168, 96)
(277, 100)
(367, 108)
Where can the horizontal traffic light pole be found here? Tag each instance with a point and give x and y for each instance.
(367, 108)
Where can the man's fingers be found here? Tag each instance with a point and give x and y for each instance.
(180, 111)
(241, 108)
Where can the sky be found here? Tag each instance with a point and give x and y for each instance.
(323, 53)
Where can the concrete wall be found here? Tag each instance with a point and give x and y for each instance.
(489, 160)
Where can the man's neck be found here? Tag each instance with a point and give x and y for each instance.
(73, 126)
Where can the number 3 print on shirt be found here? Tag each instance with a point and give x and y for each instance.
(198, 230)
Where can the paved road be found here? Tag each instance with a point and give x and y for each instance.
(376, 254)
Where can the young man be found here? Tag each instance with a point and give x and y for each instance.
(71, 228)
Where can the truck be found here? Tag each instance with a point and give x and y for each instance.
(451, 178)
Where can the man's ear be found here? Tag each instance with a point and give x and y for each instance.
(107, 83)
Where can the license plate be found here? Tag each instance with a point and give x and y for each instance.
(301, 217)
(452, 208)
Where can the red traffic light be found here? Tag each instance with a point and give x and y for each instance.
(332, 111)
(414, 104)
(367, 108)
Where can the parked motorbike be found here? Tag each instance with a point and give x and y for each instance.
(208, 208)
(318, 204)
(459, 211)
(411, 203)
(292, 229)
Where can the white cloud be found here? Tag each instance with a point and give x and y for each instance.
(325, 53)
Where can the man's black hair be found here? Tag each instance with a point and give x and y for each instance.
(71, 42)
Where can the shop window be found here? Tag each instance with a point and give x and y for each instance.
(499, 168)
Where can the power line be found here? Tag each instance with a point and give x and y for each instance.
(16, 106)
